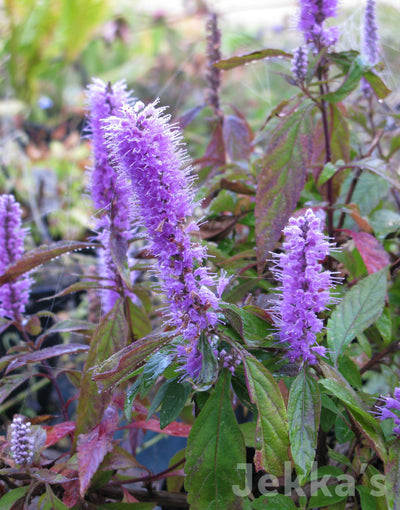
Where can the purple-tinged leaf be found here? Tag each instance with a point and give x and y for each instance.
(241, 60)
(282, 176)
(41, 255)
(10, 383)
(238, 138)
(215, 152)
(372, 252)
(110, 336)
(48, 352)
(48, 476)
(176, 429)
(392, 482)
(93, 447)
(186, 118)
(67, 326)
(58, 431)
(120, 366)
(78, 287)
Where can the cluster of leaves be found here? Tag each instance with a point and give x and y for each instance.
(326, 147)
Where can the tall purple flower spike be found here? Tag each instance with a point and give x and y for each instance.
(313, 14)
(304, 289)
(21, 441)
(370, 48)
(14, 295)
(149, 152)
(387, 410)
(109, 192)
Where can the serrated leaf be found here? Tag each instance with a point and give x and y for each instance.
(174, 400)
(335, 384)
(154, 367)
(272, 436)
(282, 176)
(351, 81)
(232, 62)
(67, 326)
(109, 337)
(139, 320)
(210, 471)
(94, 445)
(39, 256)
(252, 328)
(360, 307)
(58, 431)
(372, 252)
(304, 410)
(12, 496)
(328, 495)
(120, 366)
(176, 429)
(46, 353)
(392, 482)
(273, 502)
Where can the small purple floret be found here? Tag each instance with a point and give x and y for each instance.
(300, 64)
(14, 295)
(391, 409)
(304, 290)
(370, 49)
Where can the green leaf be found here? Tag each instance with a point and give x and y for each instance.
(215, 447)
(282, 176)
(368, 502)
(360, 307)
(139, 321)
(109, 337)
(335, 384)
(304, 410)
(392, 471)
(209, 368)
(12, 496)
(174, 400)
(328, 495)
(377, 84)
(250, 327)
(350, 371)
(351, 81)
(272, 436)
(154, 367)
(328, 172)
(175, 483)
(275, 502)
(232, 62)
(51, 502)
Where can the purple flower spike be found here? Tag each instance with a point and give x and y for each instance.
(388, 410)
(14, 295)
(304, 290)
(109, 192)
(313, 14)
(21, 441)
(149, 152)
(370, 48)
(300, 64)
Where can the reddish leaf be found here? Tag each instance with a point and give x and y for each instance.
(187, 117)
(128, 498)
(372, 252)
(48, 476)
(238, 138)
(215, 152)
(109, 337)
(232, 62)
(282, 176)
(39, 256)
(236, 186)
(48, 352)
(175, 428)
(57, 432)
(93, 447)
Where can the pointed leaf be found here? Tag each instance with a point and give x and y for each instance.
(304, 410)
(372, 252)
(39, 256)
(48, 352)
(377, 84)
(93, 446)
(351, 81)
(12, 496)
(109, 337)
(10, 383)
(360, 307)
(237, 137)
(282, 177)
(174, 400)
(241, 60)
(272, 436)
(210, 471)
(175, 428)
(58, 431)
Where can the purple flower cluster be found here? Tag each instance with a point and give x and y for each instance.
(387, 410)
(148, 152)
(304, 290)
(13, 295)
(370, 42)
(109, 191)
(313, 14)
(300, 64)
(230, 360)
(21, 440)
